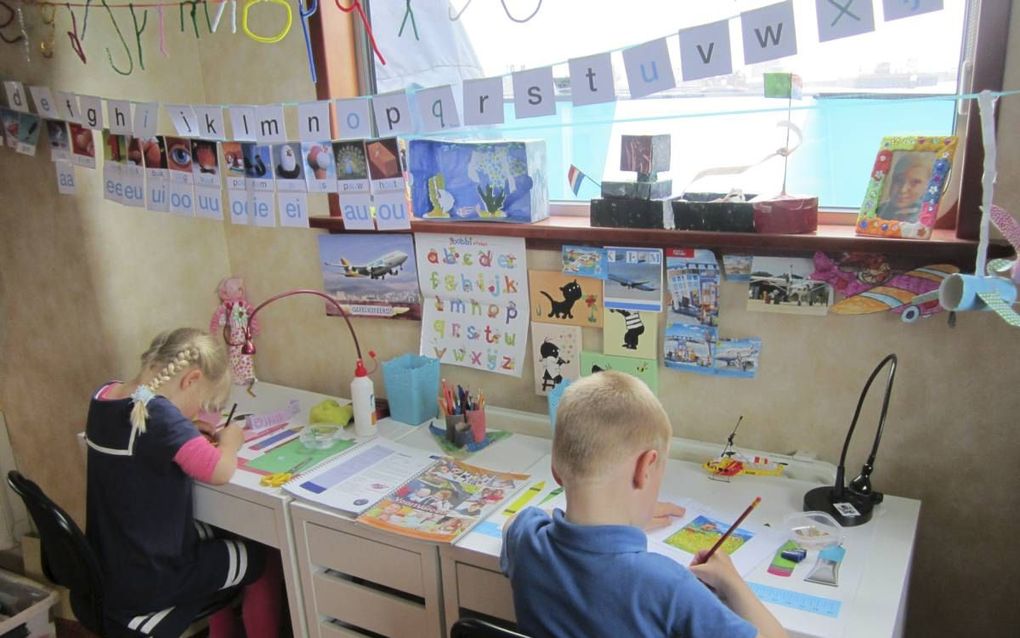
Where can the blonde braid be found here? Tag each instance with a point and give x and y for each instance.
(147, 391)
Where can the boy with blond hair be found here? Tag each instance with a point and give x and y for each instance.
(587, 572)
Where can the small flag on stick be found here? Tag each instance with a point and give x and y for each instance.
(575, 176)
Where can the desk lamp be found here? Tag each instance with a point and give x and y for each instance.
(362, 395)
(853, 505)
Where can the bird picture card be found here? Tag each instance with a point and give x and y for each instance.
(565, 299)
(699, 349)
(371, 275)
(258, 166)
(634, 279)
(585, 261)
(83, 146)
(784, 284)
(320, 169)
(60, 143)
(630, 333)
(693, 279)
(352, 184)
(476, 309)
(645, 369)
(27, 137)
(556, 352)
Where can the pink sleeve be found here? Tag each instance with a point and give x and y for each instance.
(198, 458)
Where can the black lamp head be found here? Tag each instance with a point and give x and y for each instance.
(853, 504)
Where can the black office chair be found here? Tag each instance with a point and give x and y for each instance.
(477, 628)
(68, 560)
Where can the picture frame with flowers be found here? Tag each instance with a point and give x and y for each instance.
(907, 183)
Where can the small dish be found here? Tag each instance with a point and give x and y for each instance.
(320, 436)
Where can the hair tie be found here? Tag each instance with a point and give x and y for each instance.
(143, 394)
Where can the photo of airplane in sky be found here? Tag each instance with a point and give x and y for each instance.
(389, 264)
(632, 284)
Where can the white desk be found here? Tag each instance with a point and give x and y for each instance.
(874, 575)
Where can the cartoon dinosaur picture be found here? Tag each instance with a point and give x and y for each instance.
(634, 325)
(571, 294)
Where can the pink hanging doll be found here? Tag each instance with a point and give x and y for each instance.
(230, 320)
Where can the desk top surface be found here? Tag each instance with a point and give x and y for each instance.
(873, 576)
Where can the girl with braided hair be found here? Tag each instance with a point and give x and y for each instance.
(161, 567)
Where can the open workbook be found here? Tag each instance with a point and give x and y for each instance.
(407, 490)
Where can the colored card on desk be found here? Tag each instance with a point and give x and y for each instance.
(289, 455)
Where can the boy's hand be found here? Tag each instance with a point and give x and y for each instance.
(718, 573)
(231, 437)
(663, 515)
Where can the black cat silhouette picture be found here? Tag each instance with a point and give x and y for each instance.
(634, 327)
(571, 292)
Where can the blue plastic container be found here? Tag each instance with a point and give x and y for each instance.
(412, 385)
(554, 400)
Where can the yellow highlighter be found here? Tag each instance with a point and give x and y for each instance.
(523, 499)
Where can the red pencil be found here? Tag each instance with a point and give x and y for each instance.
(722, 539)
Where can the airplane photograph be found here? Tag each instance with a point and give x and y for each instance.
(634, 279)
(371, 275)
(784, 285)
(389, 264)
(635, 285)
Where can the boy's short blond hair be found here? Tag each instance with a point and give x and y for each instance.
(603, 418)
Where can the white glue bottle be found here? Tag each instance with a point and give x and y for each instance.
(363, 400)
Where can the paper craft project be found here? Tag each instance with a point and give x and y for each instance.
(371, 275)
(585, 261)
(784, 284)
(443, 501)
(556, 352)
(629, 333)
(476, 307)
(737, 267)
(693, 348)
(488, 181)
(703, 532)
(634, 280)
(565, 299)
(645, 369)
(693, 280)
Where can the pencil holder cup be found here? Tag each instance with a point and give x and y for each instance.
(412, 384)
(458, 431)
(554, 400)
(476, 419)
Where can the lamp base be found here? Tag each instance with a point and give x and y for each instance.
(848, 510)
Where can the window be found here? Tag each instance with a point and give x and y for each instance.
(849, 86)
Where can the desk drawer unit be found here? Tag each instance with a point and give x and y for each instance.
(238, 515)
(358, 581)
(484, 591)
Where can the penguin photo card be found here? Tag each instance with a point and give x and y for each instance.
(288, 167)
(630, 333)
(556, 353)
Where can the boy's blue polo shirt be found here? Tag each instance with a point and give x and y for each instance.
(600, 580)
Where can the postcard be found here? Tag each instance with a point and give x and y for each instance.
(784, 284)
(556, 352)
(693, 279)
(585, 261)
(634, 280)
(371, 275)
(565, 299)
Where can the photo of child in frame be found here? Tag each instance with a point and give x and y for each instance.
(904, 188)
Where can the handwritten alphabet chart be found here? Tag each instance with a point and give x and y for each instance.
(476, 310)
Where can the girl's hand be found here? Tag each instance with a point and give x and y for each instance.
(663, 515)
(231, 437)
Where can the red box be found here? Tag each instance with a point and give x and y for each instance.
(786, 215)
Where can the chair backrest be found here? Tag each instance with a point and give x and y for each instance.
(67, 557)
(477, 628)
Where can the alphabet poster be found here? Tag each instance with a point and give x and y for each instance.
(565, 299)
(630, 333)
(476, 309)
(556, 351)
(645, 369)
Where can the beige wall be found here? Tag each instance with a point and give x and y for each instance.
(84, 284)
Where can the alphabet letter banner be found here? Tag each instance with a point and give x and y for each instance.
(475, 312)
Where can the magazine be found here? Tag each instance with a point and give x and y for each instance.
(443, 501)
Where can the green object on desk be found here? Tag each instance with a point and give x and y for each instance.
(461, 453)
(330, 411)
(288, 455)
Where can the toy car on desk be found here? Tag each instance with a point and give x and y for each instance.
(732, 465)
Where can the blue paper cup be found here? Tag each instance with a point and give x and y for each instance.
(412, 385)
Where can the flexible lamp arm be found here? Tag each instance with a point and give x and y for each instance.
(249, 345)
(841, 469)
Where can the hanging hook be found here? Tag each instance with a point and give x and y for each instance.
(305, 15)
(120, 36)
(356, 6)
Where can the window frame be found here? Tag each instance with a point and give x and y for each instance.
(344, 58)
